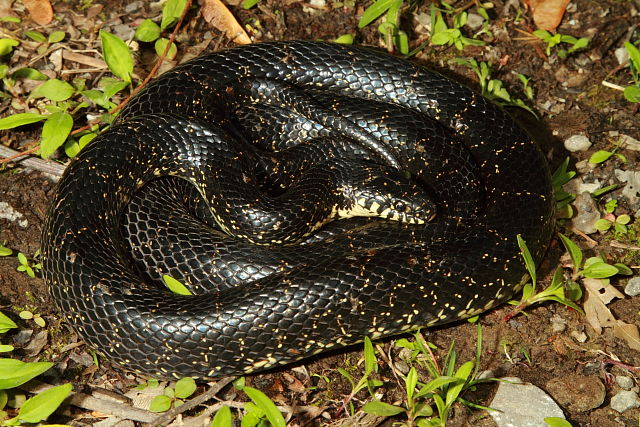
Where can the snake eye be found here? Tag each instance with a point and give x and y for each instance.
(401, 207)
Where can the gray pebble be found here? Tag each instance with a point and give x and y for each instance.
(624, 382)
(633, 287)
(625, 400)
(577, 143)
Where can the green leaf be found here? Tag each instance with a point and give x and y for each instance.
(161, 45)
(28, 73)
(436, 383)
(382, 409)
(600, 156)
(20, 119)
(600, 270)
(12, 19)
(55, 132)
(22, 259)
(185, 387)
(263, 402)
(54, 90)
(248, 4)
(344, 39)
(15, 372)
(574, 251)
(160, 403)
(147, 31)
(4, 251)
(557, 422)
(36, 36)
(56, 36)
(370, 364)
(222, 418)
(117, 56)
(7, 45)
(175, 286)
(40, 406)
(632, 93)
(375, 11)
(5, 348)
(171, 12)
(411, 381)
(623, 269)
(6, 323)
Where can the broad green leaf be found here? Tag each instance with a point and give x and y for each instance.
(4, 251)
(54, 89)
(248, 4)
(28, 73)
(40, 406)
(55, 131)
(160, 403)
(436, 383)
(411, 381)
(185, 387)
(20, 119)
(344, 39)
(147, 31)
(73, 147)
(634, 54)
(600, 156)
(382, 409)
(623, 269)
(370, 364)
(15, 372)
(263, 402)
(222, 418)
(574, 251)
(632, 93)
(175, 286)
(117, 56)
(36, 36)
(623, 219)
(171, 12)
(7, 45)
(56, 36)
(603, 224)
(600, 271)
(161, 45)
(557, 422)
(22, 259)
(6, 323)
(375, 11)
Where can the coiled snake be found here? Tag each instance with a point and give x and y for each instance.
(258, 306)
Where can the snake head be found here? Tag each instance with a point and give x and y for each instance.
(388, 194)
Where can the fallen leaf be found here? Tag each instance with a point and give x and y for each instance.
(40, 10)
(629, 333)
(217, 14)
(547, 14)
(598, 295)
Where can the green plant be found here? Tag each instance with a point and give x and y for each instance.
(29, 266)
(444, 389)
(441, 34)
(46, 41)
(370, 366)
(390, 9)
(618, 223)
(593, 267)
(173, 396)
(602, 156)
(554, 292)
(494, 88)
(150, 32)
(260, 409)
(632, 92)
(14, 373)
(563, 199)
(553, 40)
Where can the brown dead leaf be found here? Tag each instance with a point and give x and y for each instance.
(40, 10)
(598, 295)
(547, 14)
(629, 333)
(217, 14)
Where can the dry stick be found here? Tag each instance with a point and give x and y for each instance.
(165, 418)
(153, 71)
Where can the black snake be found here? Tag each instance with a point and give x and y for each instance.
(259, 306)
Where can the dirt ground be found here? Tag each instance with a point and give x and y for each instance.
(569, 99)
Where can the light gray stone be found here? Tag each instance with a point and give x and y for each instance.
(624, 400)
(587, 215)
(522, 405)
(624, 382)
(577, 143)
(633, 287)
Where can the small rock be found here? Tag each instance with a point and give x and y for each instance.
(624, 382)
(578, 393)
(622, 55)
(558, 324)
(7, 212)
(627, 142)
(625, 399)
(523, 405)
(133, 6)
(579, 336)
(633, 287)
(588, 213)
(317, 5)
(474, 21)
(577, 143)
(632, 188)
(124, 31)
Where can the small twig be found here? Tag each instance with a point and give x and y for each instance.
(165, 418)
(37, 163)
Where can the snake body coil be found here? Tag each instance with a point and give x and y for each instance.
(270, 305)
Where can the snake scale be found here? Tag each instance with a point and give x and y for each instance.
(266, 305)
